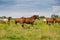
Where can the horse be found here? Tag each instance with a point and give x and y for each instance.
(6, 20)
(29, 20)
(49, 20)
(57, 20)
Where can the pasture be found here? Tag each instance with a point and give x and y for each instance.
(39, 31)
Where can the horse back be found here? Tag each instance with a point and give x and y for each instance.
(57, 20)
(50, 19)
(29, 20)
(21, 20)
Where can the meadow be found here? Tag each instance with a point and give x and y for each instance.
(39, 31)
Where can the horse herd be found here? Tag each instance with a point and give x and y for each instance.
(30, 20)
(51, 20)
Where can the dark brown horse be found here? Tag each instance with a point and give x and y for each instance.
(29, 20)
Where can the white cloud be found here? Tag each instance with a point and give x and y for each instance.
(25, 14)
(56, 8)
(28, 8)
(20, 5)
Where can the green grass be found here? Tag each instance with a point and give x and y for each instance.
(39, 31)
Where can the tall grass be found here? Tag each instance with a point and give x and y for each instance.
(39, 31)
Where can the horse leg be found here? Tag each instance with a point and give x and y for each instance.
(46, 22)
(15, 22)
(32, 23)
(22, 25)
(8, 22)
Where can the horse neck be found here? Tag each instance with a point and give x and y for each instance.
(54, 19)
(9, 19)
(33, 18)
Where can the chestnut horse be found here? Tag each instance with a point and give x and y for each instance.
(29, 20)
(57, 20)
(52, 20)
(49, 20)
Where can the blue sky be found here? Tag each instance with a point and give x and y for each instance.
(19, 8)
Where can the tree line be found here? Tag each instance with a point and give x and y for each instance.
(52, 16)
(4, 17)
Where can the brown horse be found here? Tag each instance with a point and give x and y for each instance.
(29, 20)
(20, 20)
(57, 20)
(49, 20)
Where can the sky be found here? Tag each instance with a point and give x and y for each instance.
(26, 8)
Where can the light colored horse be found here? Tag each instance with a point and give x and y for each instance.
(5, 20)
(44, 20)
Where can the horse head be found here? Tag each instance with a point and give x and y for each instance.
(9, 18)
(35, 16)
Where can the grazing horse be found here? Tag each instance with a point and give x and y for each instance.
(49, 20)
(5, 20)
(29, 20)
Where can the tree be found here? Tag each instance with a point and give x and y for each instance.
(54, 16)
(3, 16)
(42, 16)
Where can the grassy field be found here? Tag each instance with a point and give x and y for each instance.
(39, 31)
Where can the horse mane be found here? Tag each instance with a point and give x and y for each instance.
(35, 16)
